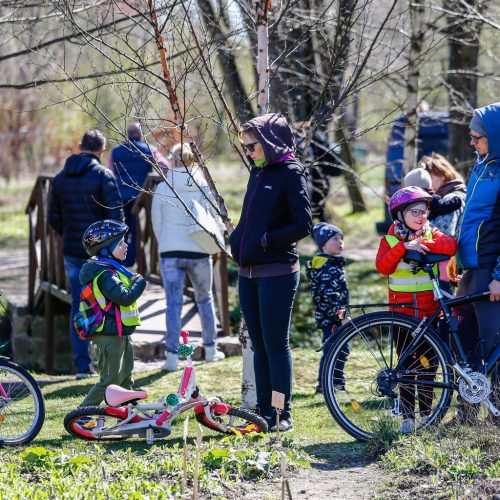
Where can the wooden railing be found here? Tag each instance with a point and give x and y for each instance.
(47, 279)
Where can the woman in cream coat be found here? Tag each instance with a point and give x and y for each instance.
(180, 253)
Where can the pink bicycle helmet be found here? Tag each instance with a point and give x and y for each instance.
(407, 196)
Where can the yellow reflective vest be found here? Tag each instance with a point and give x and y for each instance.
(129, 314)
(403, 279)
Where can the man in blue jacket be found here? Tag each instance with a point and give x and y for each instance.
(478, 252)
(131, 162)
(83, 192)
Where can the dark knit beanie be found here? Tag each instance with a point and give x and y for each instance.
(322, 232)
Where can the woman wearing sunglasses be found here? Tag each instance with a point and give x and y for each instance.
(276, 214)
(409, 209)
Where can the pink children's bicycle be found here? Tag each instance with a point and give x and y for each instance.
(124, 416)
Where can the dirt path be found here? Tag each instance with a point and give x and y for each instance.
(320, 481)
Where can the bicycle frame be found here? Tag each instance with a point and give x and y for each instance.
(138, 417)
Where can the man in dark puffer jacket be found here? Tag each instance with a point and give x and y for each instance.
(83, 192)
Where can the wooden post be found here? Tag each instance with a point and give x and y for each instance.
(221, 292)
(49, 332)
(199, 435)
(184, 456)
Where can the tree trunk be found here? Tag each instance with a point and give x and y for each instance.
(227, 61)
(350, 175)
(248, 388)
(462, 79)
(411, 132)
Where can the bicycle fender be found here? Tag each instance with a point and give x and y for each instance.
(216, 408)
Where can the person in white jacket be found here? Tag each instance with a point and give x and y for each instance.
(186, 190)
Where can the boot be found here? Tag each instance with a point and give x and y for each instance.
(171, 362)
(212, 354)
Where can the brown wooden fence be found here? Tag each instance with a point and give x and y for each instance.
(47, 279)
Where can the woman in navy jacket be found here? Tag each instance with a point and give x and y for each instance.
(276, 214)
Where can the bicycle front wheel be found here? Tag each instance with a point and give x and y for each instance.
(22, 408)
(236, 420)
(373, 384)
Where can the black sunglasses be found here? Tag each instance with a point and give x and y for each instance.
(249, 146)
(475, 138)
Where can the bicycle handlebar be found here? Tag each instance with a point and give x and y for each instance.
(185, 336)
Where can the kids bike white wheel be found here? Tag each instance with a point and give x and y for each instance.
(83, 423)
(234, 421)
(22, 408)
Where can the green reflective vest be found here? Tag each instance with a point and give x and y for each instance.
(402, 279)
(129, 314)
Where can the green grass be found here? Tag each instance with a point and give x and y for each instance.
(446, 463)
(13, 220)
(60, 463)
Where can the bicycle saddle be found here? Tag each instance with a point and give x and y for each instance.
(424, 258)
(118, 396)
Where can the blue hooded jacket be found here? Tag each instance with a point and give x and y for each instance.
(479, 234)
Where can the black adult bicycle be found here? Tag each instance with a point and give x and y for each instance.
(22, 408)
(385, 370)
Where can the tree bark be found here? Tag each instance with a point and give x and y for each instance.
(350, 175)
(463, 50)
(227, 60)
(412, 86)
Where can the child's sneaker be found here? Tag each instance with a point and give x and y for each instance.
(212, 354)
(422, 420)
(171, 362)
(407, 426)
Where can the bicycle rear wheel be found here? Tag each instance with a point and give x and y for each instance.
(83, 421)
(235, 420)
(22, 408)
(366, 391)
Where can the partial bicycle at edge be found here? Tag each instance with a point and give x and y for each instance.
(22, 408)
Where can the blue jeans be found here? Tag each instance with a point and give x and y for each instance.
(173, 271)
(80, 347)
(266, 304)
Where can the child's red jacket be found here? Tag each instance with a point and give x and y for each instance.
(388, 259)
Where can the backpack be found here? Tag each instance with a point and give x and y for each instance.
(90, 316)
